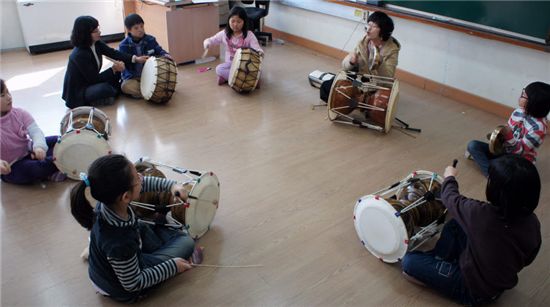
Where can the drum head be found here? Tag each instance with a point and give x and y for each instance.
(148, 81)
(203, 204)
(392, 105)
(234, 67)
(100, 120)
(245, 70)
(381, 232)
(77, 149)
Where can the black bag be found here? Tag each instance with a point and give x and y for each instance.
(324, 91)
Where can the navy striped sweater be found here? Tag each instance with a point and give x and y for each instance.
(115, 263)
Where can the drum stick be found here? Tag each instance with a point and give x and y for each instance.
(455, 162)
(227, 266)
(214, 202)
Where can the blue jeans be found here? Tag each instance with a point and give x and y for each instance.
(439, 269)
(481, 154)
(160, 243)
(28, 170)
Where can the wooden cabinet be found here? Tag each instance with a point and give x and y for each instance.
(179, 29)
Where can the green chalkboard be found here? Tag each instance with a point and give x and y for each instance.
(530, 18)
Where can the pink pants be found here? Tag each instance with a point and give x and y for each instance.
(223, 69)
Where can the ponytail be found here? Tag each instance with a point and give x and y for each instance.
(108, 177)
(81, 209)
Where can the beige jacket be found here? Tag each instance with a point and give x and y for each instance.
(383, 66)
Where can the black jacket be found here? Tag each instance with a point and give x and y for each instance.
(83, 71)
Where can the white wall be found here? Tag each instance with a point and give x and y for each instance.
(490, 69)
(11, 36)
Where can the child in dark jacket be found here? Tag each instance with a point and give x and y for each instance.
(137, 43)
(486, 244)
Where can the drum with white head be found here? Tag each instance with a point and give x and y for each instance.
(245, 70)
(401, 217)
(158, 79)
(203, 198)
(84, 134)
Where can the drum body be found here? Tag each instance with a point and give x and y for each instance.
(158, 79)
(375, 97)
(203, 198)
(84, 135)
(245, 70)
(496, 141)
(86, 118)
(400, 218)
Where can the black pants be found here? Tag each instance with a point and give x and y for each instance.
(99, 91)
(324, 91)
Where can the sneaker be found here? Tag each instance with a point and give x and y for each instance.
(468, 156)
(57, 177)
(221, 80)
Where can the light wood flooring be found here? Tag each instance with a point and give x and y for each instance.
(289, 181)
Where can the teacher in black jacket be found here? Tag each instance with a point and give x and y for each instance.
(84, 85)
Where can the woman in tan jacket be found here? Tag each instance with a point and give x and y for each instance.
(375, 54)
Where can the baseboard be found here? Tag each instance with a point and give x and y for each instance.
(416, 80)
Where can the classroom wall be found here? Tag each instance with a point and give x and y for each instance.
(490, 69)
(11, 35)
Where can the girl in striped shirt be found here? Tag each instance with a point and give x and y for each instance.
(526, 127)
(128, 257)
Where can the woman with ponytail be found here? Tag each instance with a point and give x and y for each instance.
(127, 257)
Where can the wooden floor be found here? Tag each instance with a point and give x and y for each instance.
(289, 181)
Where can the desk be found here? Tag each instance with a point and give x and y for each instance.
(179, 27)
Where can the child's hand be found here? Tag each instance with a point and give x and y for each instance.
(450, 171)
(118, 66)
(168, 57)
(39, 154)
(183, 265)
(353, 58)
(141, 59)
(4, 167)
(179, 191)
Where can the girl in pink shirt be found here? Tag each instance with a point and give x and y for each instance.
(234, 36)
(24, 160)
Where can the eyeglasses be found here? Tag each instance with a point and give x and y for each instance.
(523, 95)
(97, 30)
